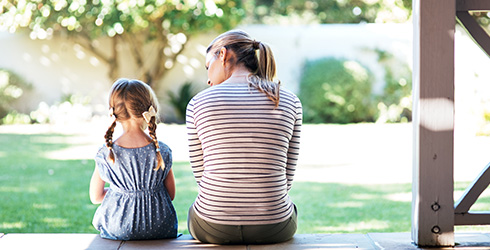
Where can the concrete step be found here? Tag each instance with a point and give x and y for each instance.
(371, 241)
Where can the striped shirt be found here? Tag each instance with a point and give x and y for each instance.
(243, 154)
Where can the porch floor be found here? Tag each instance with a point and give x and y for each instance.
(370, 241)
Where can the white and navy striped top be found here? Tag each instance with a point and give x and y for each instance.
(243, 154)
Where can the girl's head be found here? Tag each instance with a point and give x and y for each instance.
(236, 47)
(129, 99)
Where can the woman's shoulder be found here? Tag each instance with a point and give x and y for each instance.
(289, 95)
(287, 92)
(219, 89)
(203, 93)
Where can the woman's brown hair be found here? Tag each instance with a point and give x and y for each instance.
(128, 99)
(256, 56)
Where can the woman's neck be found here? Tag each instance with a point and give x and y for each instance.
(239, 75)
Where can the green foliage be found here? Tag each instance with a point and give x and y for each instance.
(336, 91)
(328, 11)
(12, 87)
(180, 100)
(71, 109)
(395, 104)
(110, 18)
(164, 26)
(15, 117)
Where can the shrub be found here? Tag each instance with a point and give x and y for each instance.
(72, 109)
(12, 87)
(336, 91)
(180, 100)
(395, 104)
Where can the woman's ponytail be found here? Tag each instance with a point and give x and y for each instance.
(266, 66)
(263, 79)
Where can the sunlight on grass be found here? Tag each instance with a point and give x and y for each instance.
(56, 222)
(12, 225)
(43, 206)
(362, 196)
(60, 139)
(479, 207)
(347, 204)
(9, 189)
(72, 153)
(403, 197)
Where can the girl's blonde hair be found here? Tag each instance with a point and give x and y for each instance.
(128, 99)
(256, 56)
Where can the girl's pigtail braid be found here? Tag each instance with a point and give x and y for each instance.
(152, 126)
(108, 141)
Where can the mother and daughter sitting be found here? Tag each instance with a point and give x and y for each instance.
(243, 135)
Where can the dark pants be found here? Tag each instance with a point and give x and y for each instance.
(208, 232)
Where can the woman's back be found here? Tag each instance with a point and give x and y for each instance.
(243, 153)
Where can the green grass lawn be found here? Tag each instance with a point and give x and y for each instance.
(40, 194)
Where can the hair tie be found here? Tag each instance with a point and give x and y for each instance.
(149, 114)
(256, 44)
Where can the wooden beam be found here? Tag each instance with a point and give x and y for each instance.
(472, 5)
(433, 122)
(479, 35)
(473, 218)
(473, 192)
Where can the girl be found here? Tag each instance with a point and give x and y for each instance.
(244, 135)
(138, 203)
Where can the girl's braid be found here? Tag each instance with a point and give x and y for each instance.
(152, 126)
(108, 140)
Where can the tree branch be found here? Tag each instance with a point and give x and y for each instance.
(90, 47)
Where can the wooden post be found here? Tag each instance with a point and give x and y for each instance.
(433, 122)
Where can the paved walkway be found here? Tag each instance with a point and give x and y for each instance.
(372, 241)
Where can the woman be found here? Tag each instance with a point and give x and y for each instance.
(244, 136)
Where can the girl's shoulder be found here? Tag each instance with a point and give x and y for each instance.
(164, 147)
(103, 150)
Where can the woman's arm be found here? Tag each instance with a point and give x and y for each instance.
(195, 146)
(97, 189)
(170, 184)
(293, 151)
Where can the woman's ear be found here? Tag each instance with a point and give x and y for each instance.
(222, 55)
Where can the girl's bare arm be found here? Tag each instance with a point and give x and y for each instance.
(97, 189)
